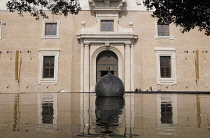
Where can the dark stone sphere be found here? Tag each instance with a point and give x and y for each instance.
(110, 85)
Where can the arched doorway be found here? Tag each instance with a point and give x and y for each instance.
(106, 60)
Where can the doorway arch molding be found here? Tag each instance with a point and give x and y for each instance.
(93, 58)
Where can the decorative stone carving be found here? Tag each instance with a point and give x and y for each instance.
(106, 4)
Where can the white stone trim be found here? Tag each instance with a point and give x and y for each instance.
(0, 29)
(82, 68)
(171, 37)
(162, 51)
(127, 67)
(43, 53)
(50, 36)
(86, 68)
(132, 68)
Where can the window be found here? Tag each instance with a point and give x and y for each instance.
(50, 29)
(107, 25)
(48, 68)
(163, 30)
(166, 65)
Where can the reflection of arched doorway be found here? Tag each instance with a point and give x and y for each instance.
(105, 60)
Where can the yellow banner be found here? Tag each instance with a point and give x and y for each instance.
(197, 65)
(17, 65)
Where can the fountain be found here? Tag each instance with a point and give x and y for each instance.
(110, 85)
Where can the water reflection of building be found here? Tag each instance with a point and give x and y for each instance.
(167, 118)
(108, 112)
(106, 116)
(47, 111)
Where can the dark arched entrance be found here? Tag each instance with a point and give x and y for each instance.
(104, 61)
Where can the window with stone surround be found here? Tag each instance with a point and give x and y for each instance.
(50, 29)
(163, 31)
(107, 25)
(48, 66)
(166, 65)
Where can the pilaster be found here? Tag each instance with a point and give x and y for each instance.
(127, 67)
(86, 68)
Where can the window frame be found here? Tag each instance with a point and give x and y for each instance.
(42, 54)
(50, 36)
(166, 52)
(157, 36)
(107, 26)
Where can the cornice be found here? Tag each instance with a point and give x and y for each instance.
(107, 36)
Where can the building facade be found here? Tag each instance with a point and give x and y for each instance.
(71, 53)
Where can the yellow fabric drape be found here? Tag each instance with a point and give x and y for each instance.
(197, 65)
(17, 65)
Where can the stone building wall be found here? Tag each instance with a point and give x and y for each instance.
(25, 34)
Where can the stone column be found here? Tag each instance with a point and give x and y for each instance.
(127, 67)
(87, 68)
(132, 68)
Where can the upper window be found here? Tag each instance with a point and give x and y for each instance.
(48, 69)
(163, 30)
(51, 29)
(107, 25)
(166, 65)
